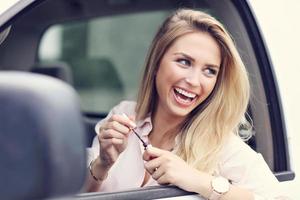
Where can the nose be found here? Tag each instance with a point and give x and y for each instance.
(194, 78)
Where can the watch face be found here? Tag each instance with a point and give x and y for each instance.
(220, 185)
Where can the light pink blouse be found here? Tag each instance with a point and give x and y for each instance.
(239, 163)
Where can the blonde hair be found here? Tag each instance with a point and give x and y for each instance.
(208, 126)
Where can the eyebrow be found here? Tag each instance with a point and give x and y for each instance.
(193, 60)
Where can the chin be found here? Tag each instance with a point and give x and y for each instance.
(179, 112)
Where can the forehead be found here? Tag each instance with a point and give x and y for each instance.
(199, 45)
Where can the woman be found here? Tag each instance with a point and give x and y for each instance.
(193, 98)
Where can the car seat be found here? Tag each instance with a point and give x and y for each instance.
(58, 70)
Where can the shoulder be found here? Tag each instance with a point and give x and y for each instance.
(247, 168)
(237, 152)
(235, 145)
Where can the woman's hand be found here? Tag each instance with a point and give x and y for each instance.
(113, 138)
(167, 168)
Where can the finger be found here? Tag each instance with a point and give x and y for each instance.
(110, 133)
(158, 172)
(162, 180)
(132, 118)
(147, 156)
(118, 127)
(123, 119)
(112, 144)
(117, 141)
(112, 141)
(154, 152)
(153, 165)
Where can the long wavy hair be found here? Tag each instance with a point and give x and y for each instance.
(205, 130)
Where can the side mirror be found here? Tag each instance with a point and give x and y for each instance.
(42, 137)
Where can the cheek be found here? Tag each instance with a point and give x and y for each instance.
(209, 86)
(166, 74)
(160, 82)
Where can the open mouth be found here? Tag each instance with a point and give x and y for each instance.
(183, 96)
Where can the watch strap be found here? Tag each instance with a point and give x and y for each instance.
(214, 195)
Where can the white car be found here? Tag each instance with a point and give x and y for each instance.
(98, 48)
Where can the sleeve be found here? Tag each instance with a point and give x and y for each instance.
(246, 168)
(127, 107)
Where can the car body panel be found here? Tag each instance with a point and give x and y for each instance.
(280, 29)
(5, 5)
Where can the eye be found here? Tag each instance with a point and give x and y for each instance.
(184, 61)
(209, 71)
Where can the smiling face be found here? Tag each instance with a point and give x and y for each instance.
(187, 74)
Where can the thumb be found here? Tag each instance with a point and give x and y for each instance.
(152, 152)
(132, 118)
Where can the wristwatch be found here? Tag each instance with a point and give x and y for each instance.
(220, 186)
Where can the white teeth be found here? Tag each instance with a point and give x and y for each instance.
(185, 93)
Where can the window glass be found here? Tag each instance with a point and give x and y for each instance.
(106, 55)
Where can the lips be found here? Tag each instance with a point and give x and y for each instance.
(184, 97)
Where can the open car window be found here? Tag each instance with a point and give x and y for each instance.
(105, 54)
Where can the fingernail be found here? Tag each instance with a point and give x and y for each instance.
(132, 124)
(124, 115)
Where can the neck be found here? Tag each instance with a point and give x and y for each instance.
(165, 129)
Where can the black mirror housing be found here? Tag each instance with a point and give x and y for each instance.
(42, 137)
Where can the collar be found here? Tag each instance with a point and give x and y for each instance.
(144, 126)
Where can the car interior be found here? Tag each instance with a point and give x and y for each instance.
(98, 47)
